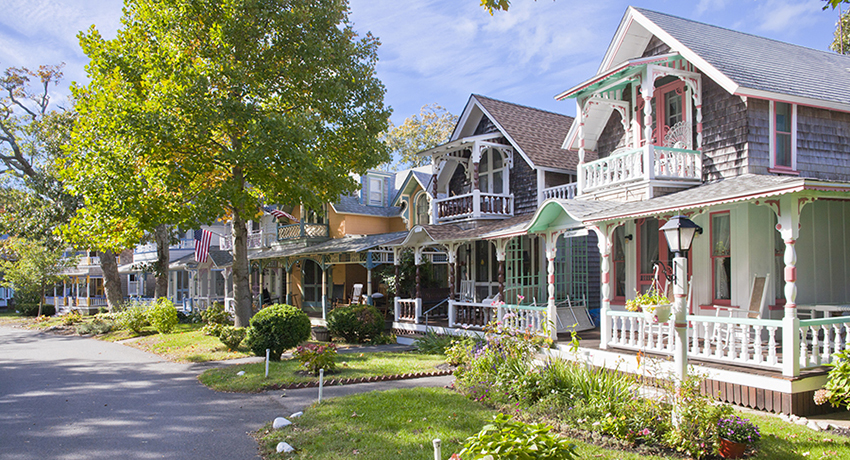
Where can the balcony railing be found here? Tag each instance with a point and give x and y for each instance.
(474, 205)
(563, 192)
(301, 230)
(664, 163)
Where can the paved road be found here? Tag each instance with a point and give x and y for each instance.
(65, 397)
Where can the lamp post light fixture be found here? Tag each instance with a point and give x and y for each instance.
(679, 232)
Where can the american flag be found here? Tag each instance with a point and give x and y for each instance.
(278, 213)
(202, 245)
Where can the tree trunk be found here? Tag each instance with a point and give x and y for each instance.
(111, 280)
(241, 287)
(163, 255)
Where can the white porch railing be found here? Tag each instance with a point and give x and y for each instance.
(742, 341)
(820, 339)
(474, 205)
(665, 163)
(471, 315)
(408, 309)
(563, 192)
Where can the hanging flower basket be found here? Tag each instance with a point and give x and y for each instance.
(657, 313)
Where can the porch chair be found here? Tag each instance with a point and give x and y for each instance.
(467, 291)
(755, 306)
(356, 294)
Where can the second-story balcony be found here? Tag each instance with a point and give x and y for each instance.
(473, 205)
(646, 163)
(303, 230)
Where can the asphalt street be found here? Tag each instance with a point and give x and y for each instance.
(67, 397)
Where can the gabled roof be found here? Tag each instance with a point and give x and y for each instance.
(743, 64)
(536, 134)
(346, 244)
(411, 177)
(351, 205)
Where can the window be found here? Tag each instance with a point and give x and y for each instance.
(783, 137)
(721, 258)
(376, 191)
(422, 214)
(618, 258)
(667, 108)
(491, 172)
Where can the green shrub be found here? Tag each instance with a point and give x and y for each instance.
(699, 418)
(31, 309)
(191, 318)
(213, 329)
(232, 336)
(432, 343)
(385, 339)
(162, 316)
(277, 328)
(96, 326)
(505, 438)
(460, 350)
(133, 317)
(314, 357)
(356, 323)
(72, 318)
(216, 314)
(837, 389)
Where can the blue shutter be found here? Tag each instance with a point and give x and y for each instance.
(364, 194)
(387, 191)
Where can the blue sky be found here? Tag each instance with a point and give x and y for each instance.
(444, 50)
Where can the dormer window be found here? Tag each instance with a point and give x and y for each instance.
(783, 137)
(376, 191)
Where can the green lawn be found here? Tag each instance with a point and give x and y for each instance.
(349, 365)
(186, 344)
(402, 423)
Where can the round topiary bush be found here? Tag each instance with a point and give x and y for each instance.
(356, 323)
(278, 328)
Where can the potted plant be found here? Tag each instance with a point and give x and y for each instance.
(321, 334)
(654, 305)
(735, 435)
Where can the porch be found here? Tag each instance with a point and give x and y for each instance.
(649, 164)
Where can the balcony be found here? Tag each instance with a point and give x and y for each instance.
(647, 163)
(474, 205)
(563, 192)
(301, 231)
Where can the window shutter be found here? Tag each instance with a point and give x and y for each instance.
(364, 192)
(386, 191)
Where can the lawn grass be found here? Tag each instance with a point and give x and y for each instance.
(349, 365)
(185, 344)
(402, 423)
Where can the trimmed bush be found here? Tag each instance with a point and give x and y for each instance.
(213, 329)
(232, 336)
(356, 323)
(162, 316)
(278, 328)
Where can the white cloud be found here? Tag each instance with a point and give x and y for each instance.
(785, 16)
(710, 5)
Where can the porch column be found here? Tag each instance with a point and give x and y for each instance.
(451, 251)
(788, 225)
(646, 90)
(417, 259)
(605, 244)
(501, 251)
(551, 308)
(289, 283)
(369, 267)
(396, 263)
(580, 116)
(324, 289)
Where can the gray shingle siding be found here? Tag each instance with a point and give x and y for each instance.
(758, 154)
(655, 47)
(724, 132)
(523, 184)
(612, 135)
(823, 144)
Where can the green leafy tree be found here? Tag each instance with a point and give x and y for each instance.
(841, 42)
(495, 5)
(30, 267)
(34, 200)
(210, 108)
(431, 127)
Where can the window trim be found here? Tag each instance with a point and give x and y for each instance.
(380, 182)
(416, 209)
(712, 258)
(780, 169)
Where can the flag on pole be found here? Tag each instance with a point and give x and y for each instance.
(278, 213)
(202, 245)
